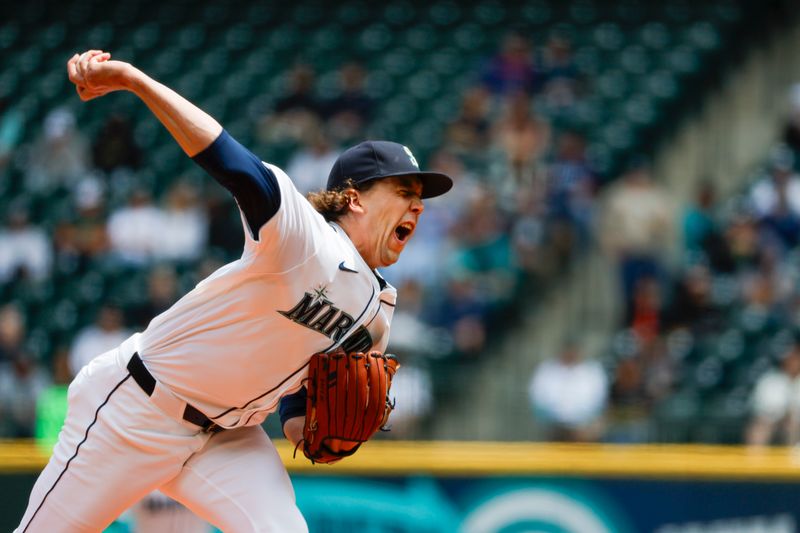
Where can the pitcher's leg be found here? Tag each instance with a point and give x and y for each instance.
(114, 448)
(239, 484)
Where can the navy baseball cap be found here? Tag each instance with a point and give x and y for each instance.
(372, 160)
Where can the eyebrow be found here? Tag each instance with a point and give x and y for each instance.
(409, 181)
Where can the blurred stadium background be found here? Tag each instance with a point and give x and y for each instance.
(618, 264)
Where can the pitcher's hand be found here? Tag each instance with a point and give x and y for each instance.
(95, 74)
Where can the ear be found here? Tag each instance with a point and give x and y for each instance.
(354, 201)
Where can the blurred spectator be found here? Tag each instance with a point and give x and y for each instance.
(115, 147)
(182, 232)
(571, 188)
(560, 74)
(743, 245)
(645, 319)
(12, 334)
(759, 309)
(638, 225)
(412, 339)
(484, 254)
(295, 114)
(25, 251)
(310, 165)
(433, 238)
(162, 292)
(699, 226)
(780, 186)
(782, 224)
(413, 394)
(350, 112)
(467, 189)
(643, 375)
(104, 334)
(134, 230)
(512, 70)
(21, 380)
(11, 127)
(411, 331)
(60, 156)
(81, 238)
(21, 383)
(522, 139)
(692, 305)
(568, 394)
(468, 134)
(462, 312)
(775, 403)
(528, 235)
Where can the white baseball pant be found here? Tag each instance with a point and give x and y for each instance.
(116, 446)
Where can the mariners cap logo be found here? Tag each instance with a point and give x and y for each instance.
(411, 157)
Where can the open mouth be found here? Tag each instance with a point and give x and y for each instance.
(404, 231)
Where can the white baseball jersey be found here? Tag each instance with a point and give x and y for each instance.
(243, 337)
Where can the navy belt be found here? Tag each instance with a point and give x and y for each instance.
(147, 382)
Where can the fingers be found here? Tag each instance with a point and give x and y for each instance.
(86, 94)
(83, 63)
(72, 68)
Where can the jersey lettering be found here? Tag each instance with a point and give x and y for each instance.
(338, 328)
(316, 312)
(359, 341)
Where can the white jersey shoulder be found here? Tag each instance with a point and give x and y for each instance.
(242, 337)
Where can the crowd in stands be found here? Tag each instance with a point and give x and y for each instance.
(520, 209)
(525, 205)
(708, 348)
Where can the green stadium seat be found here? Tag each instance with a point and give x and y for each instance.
(260, 14)
(469, 37)
(490, 13)
(654, 35)
(38, 343)
(146, 37)
(447, 61)
(239, 37)
(446, 107)
(635, 59)
(399, 14)
(123, 14)
(376, 37)
(445, 14)
(421, 38)
(424, 85)
(9, 35)
(400, 62)
(536, 13)
(640, 109)
(612, 84)
(215, 14)
(608, 36)
(583, 13)
(352, 14)
(379, 84)
(704, 36)
(53, 36)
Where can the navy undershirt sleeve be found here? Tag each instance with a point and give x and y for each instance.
(251, 183)
(293, 405)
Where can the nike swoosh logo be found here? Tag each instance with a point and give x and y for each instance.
(346, 268)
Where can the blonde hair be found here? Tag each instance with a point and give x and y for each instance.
(333, 205)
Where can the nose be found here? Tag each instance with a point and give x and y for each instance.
(417, 207)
